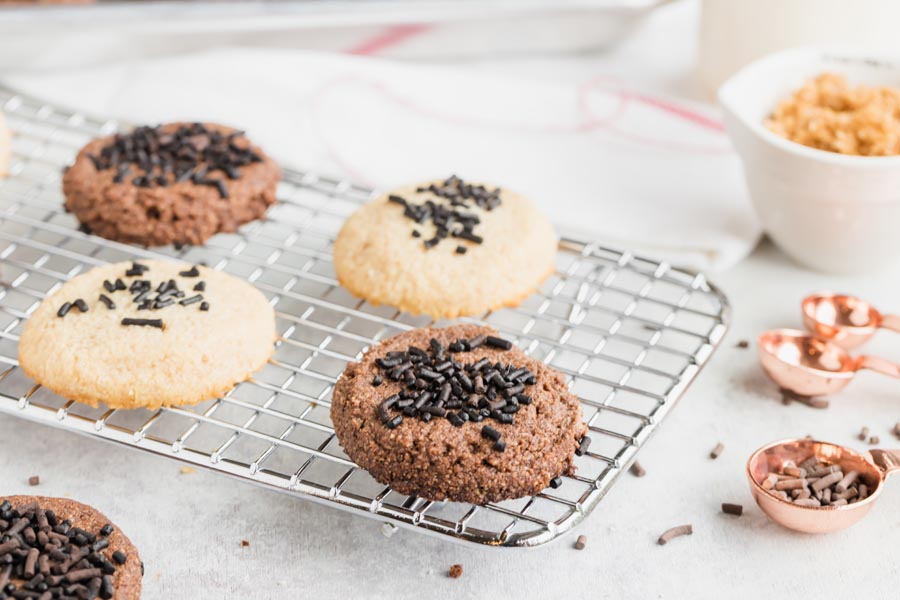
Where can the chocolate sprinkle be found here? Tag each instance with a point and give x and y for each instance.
(81, 305)
(449, 213)
(52, 558)
(161, 158)
(143, 322)
(437, 386)
(64, 309)
(192, 272)
(107, 301)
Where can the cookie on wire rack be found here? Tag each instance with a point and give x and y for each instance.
(178, 183)
(148, 334)
(457, 414)
(445, 249)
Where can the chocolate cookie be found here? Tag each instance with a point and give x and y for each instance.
(59, 548)
(445, 249)
(179, 183)
(457, 414)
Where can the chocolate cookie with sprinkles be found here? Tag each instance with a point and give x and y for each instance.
(58, 548)
(458, 414)
(147, 334)
(178, 183)
(445, 249)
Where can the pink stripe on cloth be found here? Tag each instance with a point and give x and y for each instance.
(389, 37)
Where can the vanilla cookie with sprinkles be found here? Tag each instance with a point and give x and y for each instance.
(178, 183)
(59, 548)
(148, 334)
(445, 249)
(458, 414)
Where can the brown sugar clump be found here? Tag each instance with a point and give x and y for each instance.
(829, 114)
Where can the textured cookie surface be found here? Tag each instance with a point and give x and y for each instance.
(127, 577)
(440, 460)
(381, 254)
(197, 354)
(5, 146)
(178, 183)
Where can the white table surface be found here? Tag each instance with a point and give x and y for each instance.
(189, 527)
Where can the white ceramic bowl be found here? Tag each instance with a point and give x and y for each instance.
(829, 211)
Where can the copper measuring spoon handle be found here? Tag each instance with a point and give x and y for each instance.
(886, 460)
(879, 365)
(891, 322)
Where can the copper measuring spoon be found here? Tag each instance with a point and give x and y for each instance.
(811, 366)
(846, 320)
(818, 519)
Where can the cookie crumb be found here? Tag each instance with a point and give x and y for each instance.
(34, 480)
(455, 571)
(187, 470)
(245, 543)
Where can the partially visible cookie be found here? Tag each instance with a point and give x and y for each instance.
(457, 414)
(5, 146)
(64, 548)
(445, 249)
(148, 334)
(179, 183)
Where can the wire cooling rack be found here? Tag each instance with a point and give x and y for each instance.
(629, 333)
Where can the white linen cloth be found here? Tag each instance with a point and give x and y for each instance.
(635, 171)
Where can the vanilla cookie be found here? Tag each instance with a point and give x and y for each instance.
(445, 249)
(5, 146)
(148, 334)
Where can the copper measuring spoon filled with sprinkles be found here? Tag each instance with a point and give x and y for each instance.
(819, 472)
(811, 366)
(845, 320)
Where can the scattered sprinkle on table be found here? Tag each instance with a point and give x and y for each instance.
(456, 571)
(34, 480)
(187, 470)
(743, 344)
(863, 434)
(245, 543)
(715, 452)
(581, 542)
(675, 532)
(636, 469)
(874, 440)
(732, 509)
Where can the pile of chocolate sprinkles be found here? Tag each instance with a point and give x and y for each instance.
(450, 219)
(53, 558)
(151, 157)
(437, 386)
(145, 295)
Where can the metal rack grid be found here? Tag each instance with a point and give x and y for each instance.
(630, 334)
